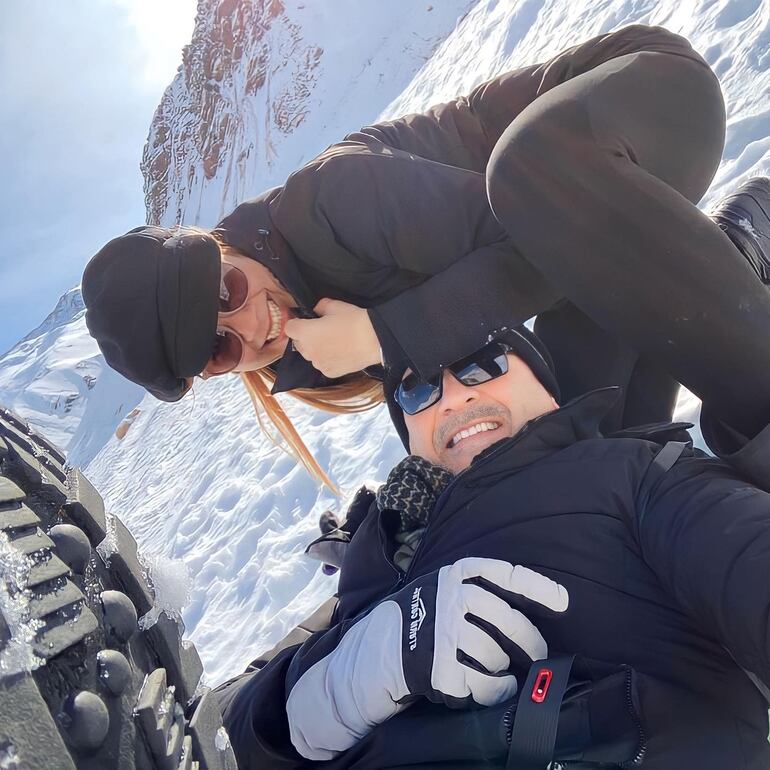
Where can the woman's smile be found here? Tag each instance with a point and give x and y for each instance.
(276, 321)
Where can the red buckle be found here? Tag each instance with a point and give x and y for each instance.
(542, 683)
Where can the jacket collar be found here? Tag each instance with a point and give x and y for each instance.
(251, 230)
(577, 420)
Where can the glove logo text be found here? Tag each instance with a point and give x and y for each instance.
(417, 614)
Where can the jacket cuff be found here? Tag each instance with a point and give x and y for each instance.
(254, 716)
(393, 354)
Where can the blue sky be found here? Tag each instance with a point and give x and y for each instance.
(79, 82)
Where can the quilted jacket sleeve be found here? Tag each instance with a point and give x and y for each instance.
(254, 709)
(706, 534)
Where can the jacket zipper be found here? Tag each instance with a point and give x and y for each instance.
(508, 718)
(384, 551)
(642, 750)
(264, 242)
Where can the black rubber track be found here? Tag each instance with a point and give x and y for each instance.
(81, 686)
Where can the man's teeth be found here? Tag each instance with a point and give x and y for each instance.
(275, 318)
(472, 431)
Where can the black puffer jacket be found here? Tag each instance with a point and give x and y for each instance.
(395, 218)
(667, 573)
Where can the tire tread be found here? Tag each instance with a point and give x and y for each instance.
(172, 723)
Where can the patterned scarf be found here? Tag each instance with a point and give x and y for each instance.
(412, 489)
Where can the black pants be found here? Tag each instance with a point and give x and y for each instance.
(596, 183)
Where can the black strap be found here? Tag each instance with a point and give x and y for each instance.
(533, 739)
(661, 464)
(764, 690)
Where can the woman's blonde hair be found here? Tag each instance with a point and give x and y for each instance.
(354, 393)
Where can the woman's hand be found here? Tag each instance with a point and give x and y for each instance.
(342, 340)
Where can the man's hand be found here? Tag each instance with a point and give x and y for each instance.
(462, 638)
(452, 636)
(342, 340)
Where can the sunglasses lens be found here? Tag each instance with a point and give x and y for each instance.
(227, 353)
(233, 289)
(413, 394)
(485, 365)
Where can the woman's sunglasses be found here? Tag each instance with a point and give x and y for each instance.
(414, 394)
(228, 346)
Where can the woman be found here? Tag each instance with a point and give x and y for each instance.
(597, 159)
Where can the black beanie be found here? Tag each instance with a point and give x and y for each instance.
(523, 343)
(152, 298)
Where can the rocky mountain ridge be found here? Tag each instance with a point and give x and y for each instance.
(266, 84)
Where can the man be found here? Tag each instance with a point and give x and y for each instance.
(516, 530)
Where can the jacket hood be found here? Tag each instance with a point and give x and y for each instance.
(577, 420)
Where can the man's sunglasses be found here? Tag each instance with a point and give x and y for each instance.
(228, 346)
(414, 394)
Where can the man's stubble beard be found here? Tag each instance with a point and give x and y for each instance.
(473, 413)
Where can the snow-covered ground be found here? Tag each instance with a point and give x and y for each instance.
(196, 481)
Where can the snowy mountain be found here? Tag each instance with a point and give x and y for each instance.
(262, 88)
(266, 85)
(57, 378)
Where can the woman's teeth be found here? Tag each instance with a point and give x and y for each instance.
(275, 321)
(472, 431)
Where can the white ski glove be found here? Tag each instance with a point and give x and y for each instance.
(451, 636)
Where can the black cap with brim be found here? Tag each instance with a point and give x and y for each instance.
(522, 342)
(152, 299)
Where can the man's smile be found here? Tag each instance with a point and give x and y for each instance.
(473, 430)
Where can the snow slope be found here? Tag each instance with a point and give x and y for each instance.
(197, 481)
